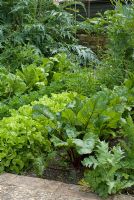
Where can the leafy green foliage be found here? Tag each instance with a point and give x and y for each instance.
(106, 176)
(58, 105)
(17, 101)
(74, 123)
(39, 77)
(116, 52)
(11, 84)
(41, 24)
(49, 75)
(83, 81)
(26, 142)
(80, 123)
(22, 55)
(20, 82)
(128, 131)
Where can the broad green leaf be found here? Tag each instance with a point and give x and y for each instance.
(57, 142)
(41, 109)
(72, 132)
(86, 112)
(84, 146)
(69, 116)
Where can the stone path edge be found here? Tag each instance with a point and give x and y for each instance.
(14, 187)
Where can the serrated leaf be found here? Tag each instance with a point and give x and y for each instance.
(90, 161)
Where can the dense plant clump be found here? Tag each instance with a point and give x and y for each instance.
(48, 28)
(116, 27)
(59, 98)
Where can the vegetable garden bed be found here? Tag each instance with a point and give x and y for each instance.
(62, 105)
